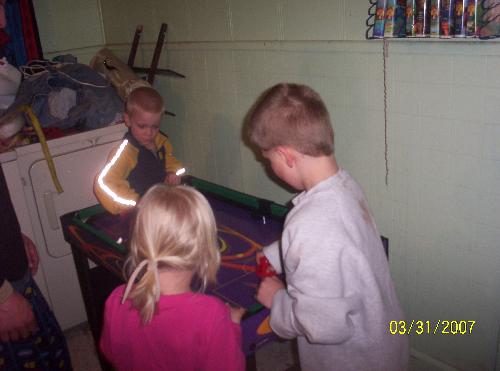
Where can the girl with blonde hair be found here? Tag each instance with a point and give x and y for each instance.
(157, 322)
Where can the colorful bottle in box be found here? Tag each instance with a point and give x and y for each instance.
(459, 16)
(471, 19)
(435, 18)
(488, 19)
(395, 18)
(378, 27)
(446, 18)
(410, 18)
(422, 18)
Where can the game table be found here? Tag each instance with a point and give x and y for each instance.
(245, 224)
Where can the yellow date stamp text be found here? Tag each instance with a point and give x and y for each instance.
(439, 327)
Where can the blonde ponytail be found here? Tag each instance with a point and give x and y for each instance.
(145, 293)
(174, 229)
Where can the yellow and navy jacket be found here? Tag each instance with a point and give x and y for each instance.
(131, 169)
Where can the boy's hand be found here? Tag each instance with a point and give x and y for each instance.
(268, 287)
(172, 179)
(236, 313)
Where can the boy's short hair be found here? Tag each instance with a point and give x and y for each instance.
(174, 229)
(293, 115)
(145, 99)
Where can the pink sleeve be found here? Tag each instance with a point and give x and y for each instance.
(224, 345)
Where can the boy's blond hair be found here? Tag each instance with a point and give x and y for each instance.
(291, 115)
(174, 229)
(145, 99)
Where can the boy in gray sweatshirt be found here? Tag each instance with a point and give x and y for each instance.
(339, 296)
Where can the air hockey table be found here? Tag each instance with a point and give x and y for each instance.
(245, 224)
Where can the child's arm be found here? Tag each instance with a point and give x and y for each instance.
(236, 314)
(322, 320)
(111, 186)
(325, 284)
(172, 179)
(172, 164)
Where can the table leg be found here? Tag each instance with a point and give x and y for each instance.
(94, 315)
(251, 363)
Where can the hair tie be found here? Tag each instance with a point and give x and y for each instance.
(153, 265)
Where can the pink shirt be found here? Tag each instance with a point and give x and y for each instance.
(190, 332)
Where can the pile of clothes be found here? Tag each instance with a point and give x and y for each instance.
(63, 95)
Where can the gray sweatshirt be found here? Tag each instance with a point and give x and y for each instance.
(340, 296)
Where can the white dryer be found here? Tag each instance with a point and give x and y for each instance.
(38, 205)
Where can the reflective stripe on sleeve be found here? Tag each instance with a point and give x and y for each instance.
(105, 171)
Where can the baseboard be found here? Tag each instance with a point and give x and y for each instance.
(431, 361)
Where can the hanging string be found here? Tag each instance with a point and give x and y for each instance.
(386, 147)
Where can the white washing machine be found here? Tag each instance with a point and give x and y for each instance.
(38, 205)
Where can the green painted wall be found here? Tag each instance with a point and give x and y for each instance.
(73, 26)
